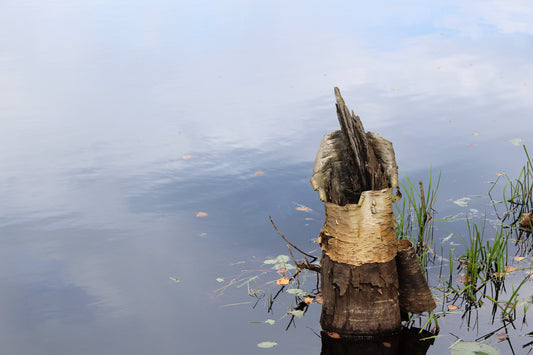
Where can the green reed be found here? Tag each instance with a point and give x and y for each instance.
(517, 195)
(414, 217)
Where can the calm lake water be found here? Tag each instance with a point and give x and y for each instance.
(121, 121)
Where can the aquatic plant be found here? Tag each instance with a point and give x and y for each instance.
(415, 215)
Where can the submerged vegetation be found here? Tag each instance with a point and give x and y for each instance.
(485, 269)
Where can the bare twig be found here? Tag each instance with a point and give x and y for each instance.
(306, 265)
(292, 245)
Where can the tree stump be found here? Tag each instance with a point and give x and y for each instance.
(355, 173)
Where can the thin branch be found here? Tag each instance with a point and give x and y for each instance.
(292, 245)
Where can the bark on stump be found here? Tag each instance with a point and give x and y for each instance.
(355, 173)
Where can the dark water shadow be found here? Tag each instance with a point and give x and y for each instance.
(409, 341)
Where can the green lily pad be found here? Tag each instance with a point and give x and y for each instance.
(267, 344)
(278, 260)
(473, 348)
(297, 314)
(297, 292)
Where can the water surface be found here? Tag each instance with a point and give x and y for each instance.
(120, 121)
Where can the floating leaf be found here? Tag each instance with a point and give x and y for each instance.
(516, 141)
(186, 157)
(387, 345)
(462, 202)
(473, 348)
(259, 173)
(318, 298)
(501, 336)
(452, 307)
(297, 313)
(475, 134)
(268, 321)
(510, 268)
(334, 335)
(500, 174)
(303, 208)
(526, 220)
(220, 279)
(308, 300)
(283, 281)
(175, 280)
(282, 270)
(267, 344)
(297, 292)
(278, 259)
(283, 266)
(201, 214)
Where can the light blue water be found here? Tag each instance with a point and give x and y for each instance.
(101, 101)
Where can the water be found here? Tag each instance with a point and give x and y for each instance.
(102, 101)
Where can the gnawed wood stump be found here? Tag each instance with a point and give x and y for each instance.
(355, 173)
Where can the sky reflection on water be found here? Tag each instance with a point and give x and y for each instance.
(101, 101)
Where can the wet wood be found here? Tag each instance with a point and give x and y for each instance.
(359, 300)
(415, 295)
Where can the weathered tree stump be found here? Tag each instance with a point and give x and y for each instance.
(355, 173)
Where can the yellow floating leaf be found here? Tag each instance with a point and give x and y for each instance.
(259, 173)
(318, 298)
(510, 268)
(475, 134)
(519, 258)
(175, 280)
(283, 281)
(452, 307)
(302, 208)
(186, 157)
(201, 214)
(334, 335)
(500, 174)
(308, 300)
